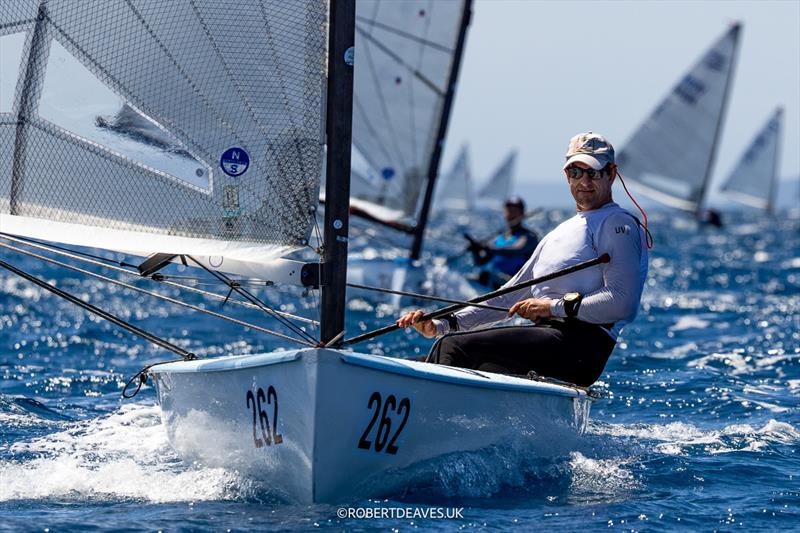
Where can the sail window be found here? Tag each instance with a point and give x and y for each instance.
(10, 64)
(74, 99)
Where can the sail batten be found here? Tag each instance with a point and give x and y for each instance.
(154, 119)
(670, 156)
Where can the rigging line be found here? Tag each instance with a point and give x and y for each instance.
(54, 246)
(401, 33)
(151, 293)
(137, 275)
(253, 299)
(426, 297)
(186, 355)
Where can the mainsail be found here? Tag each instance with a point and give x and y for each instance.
(754, 179)
(497, 190)
(671, 155)
(454, 190)
(408, 52)
(231, 175)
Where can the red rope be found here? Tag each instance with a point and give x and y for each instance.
(648, 236)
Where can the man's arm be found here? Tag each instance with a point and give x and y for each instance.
(618, 299)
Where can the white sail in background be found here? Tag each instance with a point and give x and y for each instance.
(754, 179)
(405, 57)
(496, 191)
(454, 190)
(151, 127)
(671, 155)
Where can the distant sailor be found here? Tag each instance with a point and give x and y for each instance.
(577, 317)
(506, 254)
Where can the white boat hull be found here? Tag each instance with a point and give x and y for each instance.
(347, 422)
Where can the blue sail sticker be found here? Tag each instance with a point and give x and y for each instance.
(234, 161)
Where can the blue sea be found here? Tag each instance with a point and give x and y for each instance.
(697, 427)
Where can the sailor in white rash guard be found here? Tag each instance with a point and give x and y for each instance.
(578, 316)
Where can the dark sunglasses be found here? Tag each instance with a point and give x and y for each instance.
(576, 173)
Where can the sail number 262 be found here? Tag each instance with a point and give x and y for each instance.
(386, 413)
(256, 402)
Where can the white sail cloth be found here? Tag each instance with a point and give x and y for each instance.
(235, 171)
(497, 189)
(754, 178)
(671, 155)
(455, 190)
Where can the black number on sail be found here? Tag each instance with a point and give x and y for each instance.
(273, 395)
(363, 443)
(252, 400)
(262, 417)
(405, 407)
(384, 429)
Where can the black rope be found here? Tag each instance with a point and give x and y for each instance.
(426, 297)
(154, 294)
(605, 258)
(186, 355)
(253, 299)
(155, 277)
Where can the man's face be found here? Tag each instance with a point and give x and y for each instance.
(513, 214)
(590, 194)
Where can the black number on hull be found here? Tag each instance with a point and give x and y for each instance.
(260, 417)
(390, 407)
(272, 395)
(363, 443)
(405, 407)
(251, 400)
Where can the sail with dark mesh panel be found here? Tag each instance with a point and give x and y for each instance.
(173, 127)
(405, 57)
(755, 176)
(671, 155)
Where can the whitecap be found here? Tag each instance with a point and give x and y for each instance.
(124, 455)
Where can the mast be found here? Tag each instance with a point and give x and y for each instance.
(339, 125)
(714, 145)
(773, 184)
(433, 168)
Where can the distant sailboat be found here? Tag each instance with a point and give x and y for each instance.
(455, 189)
(754, 179)
(497, 189)
(671, 156)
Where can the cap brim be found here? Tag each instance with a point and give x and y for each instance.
(584, 158)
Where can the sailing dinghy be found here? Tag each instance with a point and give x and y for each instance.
(754, 179)
(251, 110)
(671, 155)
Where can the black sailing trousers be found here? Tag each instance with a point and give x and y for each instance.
(569, 350)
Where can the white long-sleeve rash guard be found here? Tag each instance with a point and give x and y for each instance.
(611, 292)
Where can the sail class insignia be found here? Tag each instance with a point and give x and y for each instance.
(234, 161)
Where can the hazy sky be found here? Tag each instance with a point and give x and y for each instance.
(537, 72)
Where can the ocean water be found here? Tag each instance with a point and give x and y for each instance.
(698, 426)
